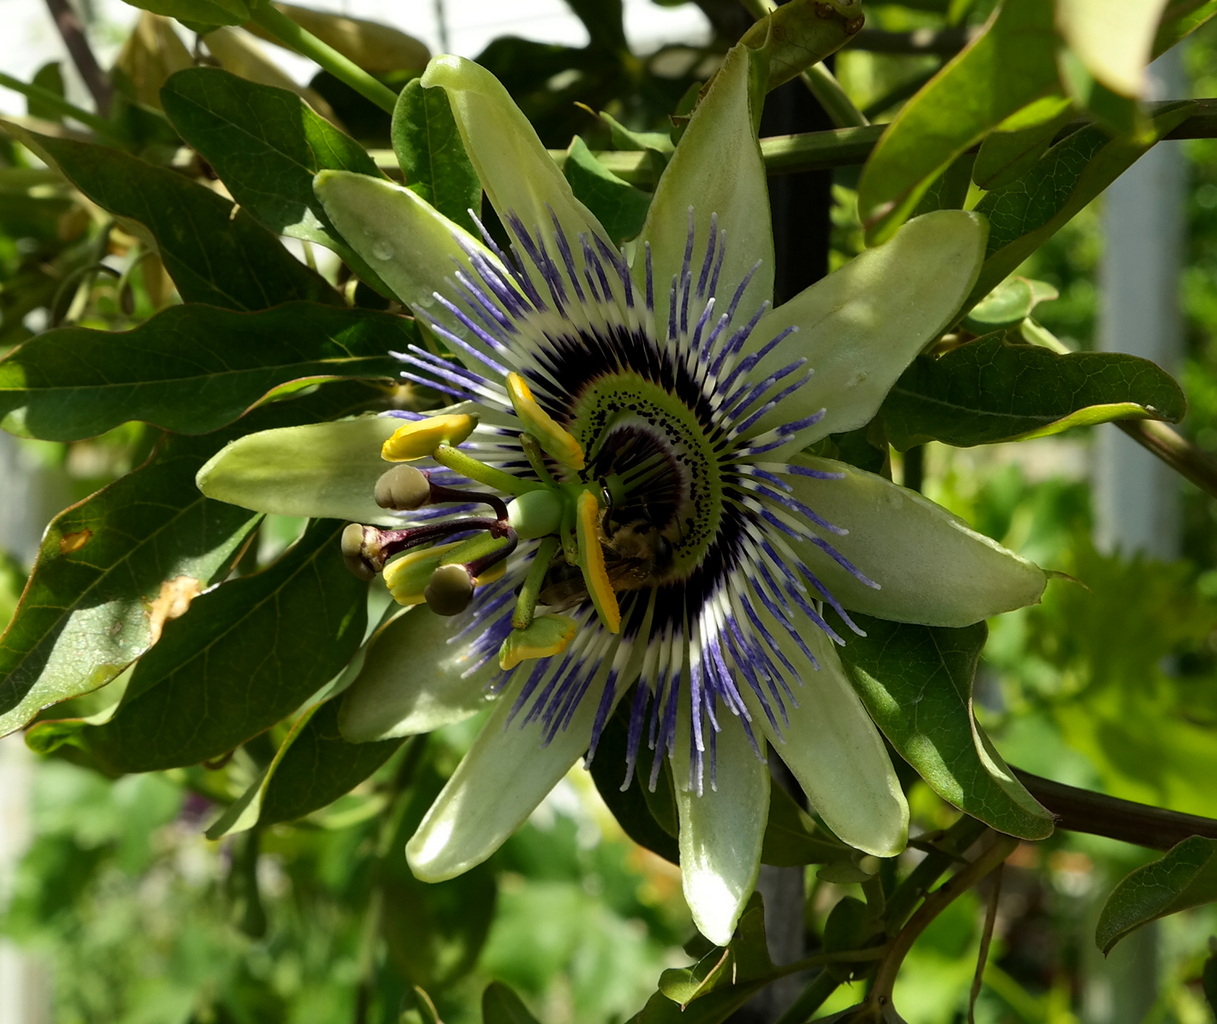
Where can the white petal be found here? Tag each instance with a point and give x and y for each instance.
(519, 176)
(835, 752)
(716, 169)
(721, 830)
(323, 470)
(506, 773)
(930, 566)
(412, 681)
(862, 325)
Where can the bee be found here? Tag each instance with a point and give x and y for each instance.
(636, 555)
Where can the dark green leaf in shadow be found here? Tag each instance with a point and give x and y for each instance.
(989, 390)
(617, 204)
(432, 156)
(1029, 211)
(214, 252)
(244, 656)
(315, 766)
(916, 682)
(631, 806)
(190, 369)
(1185, 877)
(792, 837)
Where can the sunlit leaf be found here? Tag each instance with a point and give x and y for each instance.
(200, 12)
(1010, 65)
(189, 369)
(244, 656)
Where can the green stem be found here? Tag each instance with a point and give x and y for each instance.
(291, 35)
(810, 999)
(104, 128)
(823, 85)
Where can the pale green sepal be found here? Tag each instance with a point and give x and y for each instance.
(321, 470)
(716, 169)
(930, 566)
(519, 176)
(862, 325)
(721, 831)
(835, 752)
(508, 771)
(412, 681)
(415, 249)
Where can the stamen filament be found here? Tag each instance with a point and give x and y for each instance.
(467, 466)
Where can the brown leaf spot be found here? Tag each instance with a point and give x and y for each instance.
(174, 598)
(70, 542)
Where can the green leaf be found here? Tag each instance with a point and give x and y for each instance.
(432, 156)
(916, 682)
(1010, 65)
(500, 1005)
(617, 204)
(50, 78)
(1026, 213)
(111, 572)
(1014, 148)
(630, 806)
(214, 252)
(603, 20)
(792, 836)
(266, 144)
(716, 986)
(115, 568)
(801, 33)
(244, 656)
(190, 369)
(990, 390)
(200, 12)
(315, 766)
(1185, 877)
(1009, 304)
(1180, 19)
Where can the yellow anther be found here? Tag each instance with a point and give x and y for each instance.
(591, 562)
(558, 442)
(546, 636)
(421, 437)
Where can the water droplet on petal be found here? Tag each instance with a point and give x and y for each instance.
(381, 250)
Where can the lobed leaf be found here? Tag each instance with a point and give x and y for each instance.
(916, 682)
(215, 253)
(990, 390)
(247, 654)
(1185, 877)
(190, 369)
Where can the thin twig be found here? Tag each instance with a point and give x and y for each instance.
(1175, 450)
(73, 33)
